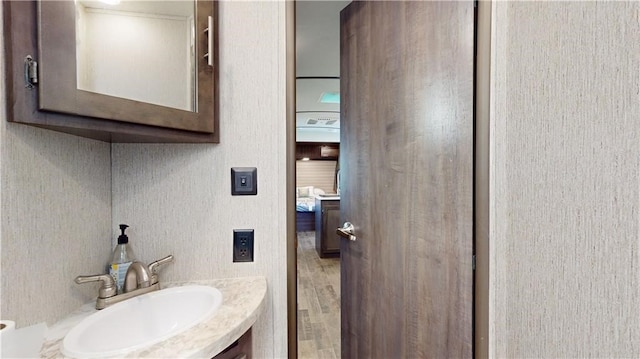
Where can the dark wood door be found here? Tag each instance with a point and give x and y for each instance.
(406, 179)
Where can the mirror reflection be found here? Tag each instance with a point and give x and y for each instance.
(139, 50)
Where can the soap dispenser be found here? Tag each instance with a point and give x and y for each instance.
(121, 260)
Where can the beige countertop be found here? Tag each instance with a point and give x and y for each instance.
(328, 197)
(242, 302)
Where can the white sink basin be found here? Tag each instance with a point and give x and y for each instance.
(141, 321)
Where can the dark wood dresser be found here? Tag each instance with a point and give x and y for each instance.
(327, 220)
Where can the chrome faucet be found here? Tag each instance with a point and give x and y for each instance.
(139, 279)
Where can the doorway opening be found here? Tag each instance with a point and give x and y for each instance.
(317, 149)
(480, 195)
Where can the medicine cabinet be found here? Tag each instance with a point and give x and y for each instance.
(141, 71)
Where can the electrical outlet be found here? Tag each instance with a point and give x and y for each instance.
(243, 245)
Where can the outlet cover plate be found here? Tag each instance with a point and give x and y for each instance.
(243, 245)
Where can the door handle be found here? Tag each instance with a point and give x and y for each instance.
(346, 231)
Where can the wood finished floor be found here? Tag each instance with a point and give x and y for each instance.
(318, 301)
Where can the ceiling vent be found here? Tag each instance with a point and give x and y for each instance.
(321, 121)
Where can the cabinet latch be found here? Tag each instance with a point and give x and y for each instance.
(30, 72)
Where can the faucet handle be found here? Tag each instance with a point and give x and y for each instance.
(153, 267)
(108, 288)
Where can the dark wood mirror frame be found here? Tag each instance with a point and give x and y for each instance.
(86, 114)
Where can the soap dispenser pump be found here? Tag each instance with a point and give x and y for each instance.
(122, 258)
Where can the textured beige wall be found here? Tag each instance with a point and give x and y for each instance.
(56, 211)
(565, 252)
(177, 198)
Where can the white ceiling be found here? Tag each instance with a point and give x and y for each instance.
(175, 7)
(317, 69)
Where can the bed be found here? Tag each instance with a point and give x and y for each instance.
(305, 208)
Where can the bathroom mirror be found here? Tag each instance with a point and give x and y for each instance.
(141, 62)
(139, 50)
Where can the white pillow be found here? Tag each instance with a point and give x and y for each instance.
(304, 191)
(318, 191)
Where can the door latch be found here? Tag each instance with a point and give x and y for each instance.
(30, 72)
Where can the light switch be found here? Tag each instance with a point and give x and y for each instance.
(244, 181)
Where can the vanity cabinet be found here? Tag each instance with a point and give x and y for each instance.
(46, 31)
(240, 349)
(327, 221)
